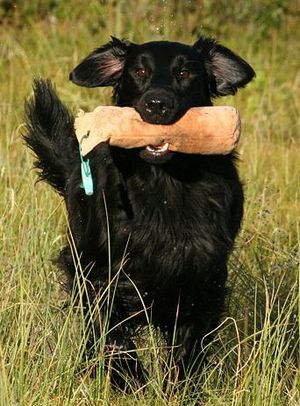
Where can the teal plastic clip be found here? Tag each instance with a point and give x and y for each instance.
(86, 173)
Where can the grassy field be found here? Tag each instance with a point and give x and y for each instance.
(255, 356)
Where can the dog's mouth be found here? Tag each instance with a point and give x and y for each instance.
(158, 149)
(156, 154)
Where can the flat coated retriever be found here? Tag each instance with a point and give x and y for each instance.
(160, 226)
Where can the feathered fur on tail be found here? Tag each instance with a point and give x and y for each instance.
(50, 135)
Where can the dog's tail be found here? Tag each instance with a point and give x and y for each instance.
(50, 135)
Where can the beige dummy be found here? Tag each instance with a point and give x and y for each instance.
(202, 130)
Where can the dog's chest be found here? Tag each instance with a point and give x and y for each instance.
(165, 205)
(170, 222)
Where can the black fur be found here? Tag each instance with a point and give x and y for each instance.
(174, 215)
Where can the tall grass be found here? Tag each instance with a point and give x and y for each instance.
(254, 359)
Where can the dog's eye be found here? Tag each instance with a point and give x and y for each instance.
(184, 74)
(141, 72)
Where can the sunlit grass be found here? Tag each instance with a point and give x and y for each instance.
(254, 357)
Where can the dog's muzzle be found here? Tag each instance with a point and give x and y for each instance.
(157, 107)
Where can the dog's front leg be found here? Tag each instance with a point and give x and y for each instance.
(109, 339)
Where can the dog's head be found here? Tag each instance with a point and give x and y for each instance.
(162, 79)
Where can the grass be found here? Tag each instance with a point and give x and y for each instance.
(255, 355)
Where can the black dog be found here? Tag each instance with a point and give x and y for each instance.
(160, 226)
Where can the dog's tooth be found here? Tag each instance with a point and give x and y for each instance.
(160, 148)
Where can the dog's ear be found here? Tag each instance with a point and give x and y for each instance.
(104, 66)
(226, 71)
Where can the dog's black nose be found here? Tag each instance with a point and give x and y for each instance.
(158, 106)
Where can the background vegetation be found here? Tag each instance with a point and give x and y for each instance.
(255, 356)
